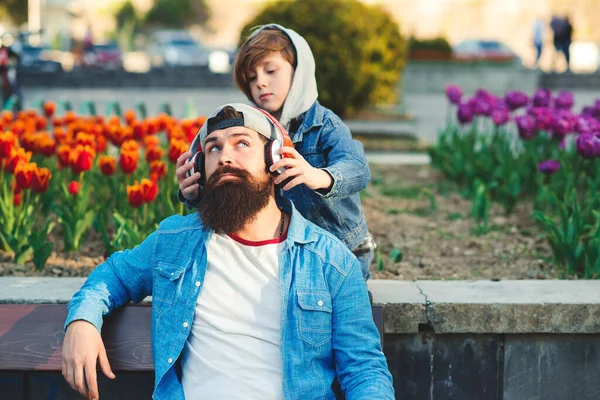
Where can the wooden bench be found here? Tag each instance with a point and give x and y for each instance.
(31, 337)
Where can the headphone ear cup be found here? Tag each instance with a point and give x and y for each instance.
(269, 155)
(199, 166)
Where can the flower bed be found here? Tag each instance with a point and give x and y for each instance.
(113, 175)
(516, 149)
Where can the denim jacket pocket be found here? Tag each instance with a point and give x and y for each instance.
(315, 317)
(165, 286)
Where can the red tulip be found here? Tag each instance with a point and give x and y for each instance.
(49, 108)
(40, 179)
(107, 164)
(17, 198)
(154, 154)
(158, 170)
(17, 156)
(176, 148)
(82, 159)
(24, 173)
(149, 190)
(73, 188)
(135, 195)
(128, 161)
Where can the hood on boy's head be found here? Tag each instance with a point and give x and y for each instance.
(303, 91)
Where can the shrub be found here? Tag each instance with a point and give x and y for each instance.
(358, 49)
(439, 44)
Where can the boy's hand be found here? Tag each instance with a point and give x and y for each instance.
(300, 171)
(188, 185)
(82, 349)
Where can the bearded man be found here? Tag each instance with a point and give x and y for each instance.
(249, 299)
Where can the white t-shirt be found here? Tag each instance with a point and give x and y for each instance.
(232, 351)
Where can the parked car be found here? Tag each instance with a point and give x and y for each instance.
(37, 59)
(489, 50)
(105, 56)
(175, 48)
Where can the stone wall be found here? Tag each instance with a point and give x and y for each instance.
(181, 77)
(446, 340)
(432, 77)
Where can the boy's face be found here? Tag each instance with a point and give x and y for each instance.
(270, 82)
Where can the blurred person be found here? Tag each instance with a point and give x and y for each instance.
(10, 55)
(567, 38)
(556, 25)
(538, 39)
(249, 299)
(326, 168)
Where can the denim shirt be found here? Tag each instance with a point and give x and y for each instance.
(327, 328)
(326, 142)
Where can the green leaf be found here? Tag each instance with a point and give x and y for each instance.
(41, 255)
(396, 255)
(380, 263)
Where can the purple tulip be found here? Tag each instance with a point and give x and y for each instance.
(526, 127)
(563, 123)
(588, 111)
(454, 94)
(549, 167)
(465, 113)
(564, 100)
(515, 99)
(483, 94)
(500, 116)
(586, 124)
(588, 146)
(483, 107)
(544, 117)
(542, 98)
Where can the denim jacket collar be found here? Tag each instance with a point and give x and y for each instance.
(310, 119)
(298, 231)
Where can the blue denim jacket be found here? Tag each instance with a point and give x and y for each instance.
(327, 328)
(325, 142)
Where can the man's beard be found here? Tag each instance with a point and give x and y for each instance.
(228, 206)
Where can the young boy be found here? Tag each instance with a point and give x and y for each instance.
(326, 169)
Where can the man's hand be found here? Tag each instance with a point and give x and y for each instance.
(188, 185)
(82, 348)
(300, 171)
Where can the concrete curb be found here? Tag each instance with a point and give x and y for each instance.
(527, 306)
(510, 307)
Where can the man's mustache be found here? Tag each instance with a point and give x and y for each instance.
(227, 169)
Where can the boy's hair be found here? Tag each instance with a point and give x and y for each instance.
(255, 49)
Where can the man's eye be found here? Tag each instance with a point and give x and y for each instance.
(245, 144)
(213, 149)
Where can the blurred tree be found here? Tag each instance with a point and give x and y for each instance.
(125, 13)
(358, 49)
(128, 23)
(15, 9)
(178, 13)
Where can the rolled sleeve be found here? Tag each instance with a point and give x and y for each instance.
(125, 276)
(360, 363)
(346, 161)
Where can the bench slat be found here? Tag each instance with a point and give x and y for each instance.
(31, 337)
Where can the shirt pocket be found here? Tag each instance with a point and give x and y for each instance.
(312, 154)
(166, 284)
(315, 317)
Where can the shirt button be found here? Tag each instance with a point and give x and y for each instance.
(185, 324)
(170, 360)
(198, 284)
(320, 303)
